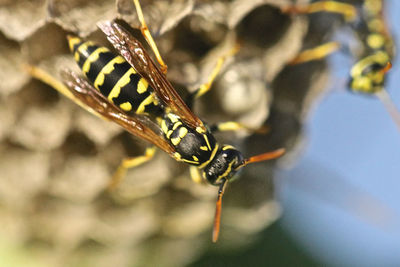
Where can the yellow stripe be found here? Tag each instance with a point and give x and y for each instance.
(375, 40)
(107, 69)
(205, 148)
(72, 41)
(126, 106)
(228, 170)
(164, 127)
(169, 133)
(176, 140)
(182, 132)
(124, 80)
(362, 84)
(211, 157)
(142, 86)
(178, 156)
(190, 161)
(200, 130)
(173, 118)
(176, 125)
(208, 143)
(147, 101)
(379, 57)
(82, 49)
(226, 147)
(92, 57)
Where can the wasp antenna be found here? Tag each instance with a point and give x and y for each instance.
(385, 98)
(263, 157)
(387, 67)
(217, 218)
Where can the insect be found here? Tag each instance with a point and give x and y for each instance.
(131, 90)
(368, 73)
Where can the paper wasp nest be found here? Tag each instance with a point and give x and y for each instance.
(57, 159)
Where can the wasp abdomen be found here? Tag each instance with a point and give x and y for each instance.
(115, 78)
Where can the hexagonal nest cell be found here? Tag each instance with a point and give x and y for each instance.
(57, 159)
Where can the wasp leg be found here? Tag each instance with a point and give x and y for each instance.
(55, 83)
(128, 163)
(348, 11)
(236, 126)
(147, 35)
(196, 176)
(387, 101)
(205, 87)
(48, 79)
(315, 53)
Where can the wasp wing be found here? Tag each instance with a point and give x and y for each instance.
(87, 95)
(132, 50)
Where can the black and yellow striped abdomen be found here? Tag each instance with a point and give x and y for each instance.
(114, 78)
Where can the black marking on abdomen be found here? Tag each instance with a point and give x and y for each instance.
(105, 69)
(98, 65)
(111, 79)
(83, 56)
(129, 93)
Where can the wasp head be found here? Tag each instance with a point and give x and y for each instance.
(224, 165)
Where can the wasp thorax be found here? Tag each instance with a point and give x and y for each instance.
(224, 165)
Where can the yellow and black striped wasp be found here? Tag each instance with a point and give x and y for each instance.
(131, 90)
(374, 56)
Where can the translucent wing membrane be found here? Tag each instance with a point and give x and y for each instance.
(134, 53)
(93, 99)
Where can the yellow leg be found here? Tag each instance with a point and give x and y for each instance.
(52, 81)
(147, 35)
(204, 88)
(196, 176)
(235, 126)
(48, 79)
(130, 163)
(315, 53)
(348, 11)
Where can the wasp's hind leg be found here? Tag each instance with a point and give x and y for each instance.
(236, 126)
(205, 87)
(315, 53)
(348, 11)
(147, 35)
(44, 76)
(129, 163)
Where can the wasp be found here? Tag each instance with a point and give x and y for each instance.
(133, 91)
(368, 73)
